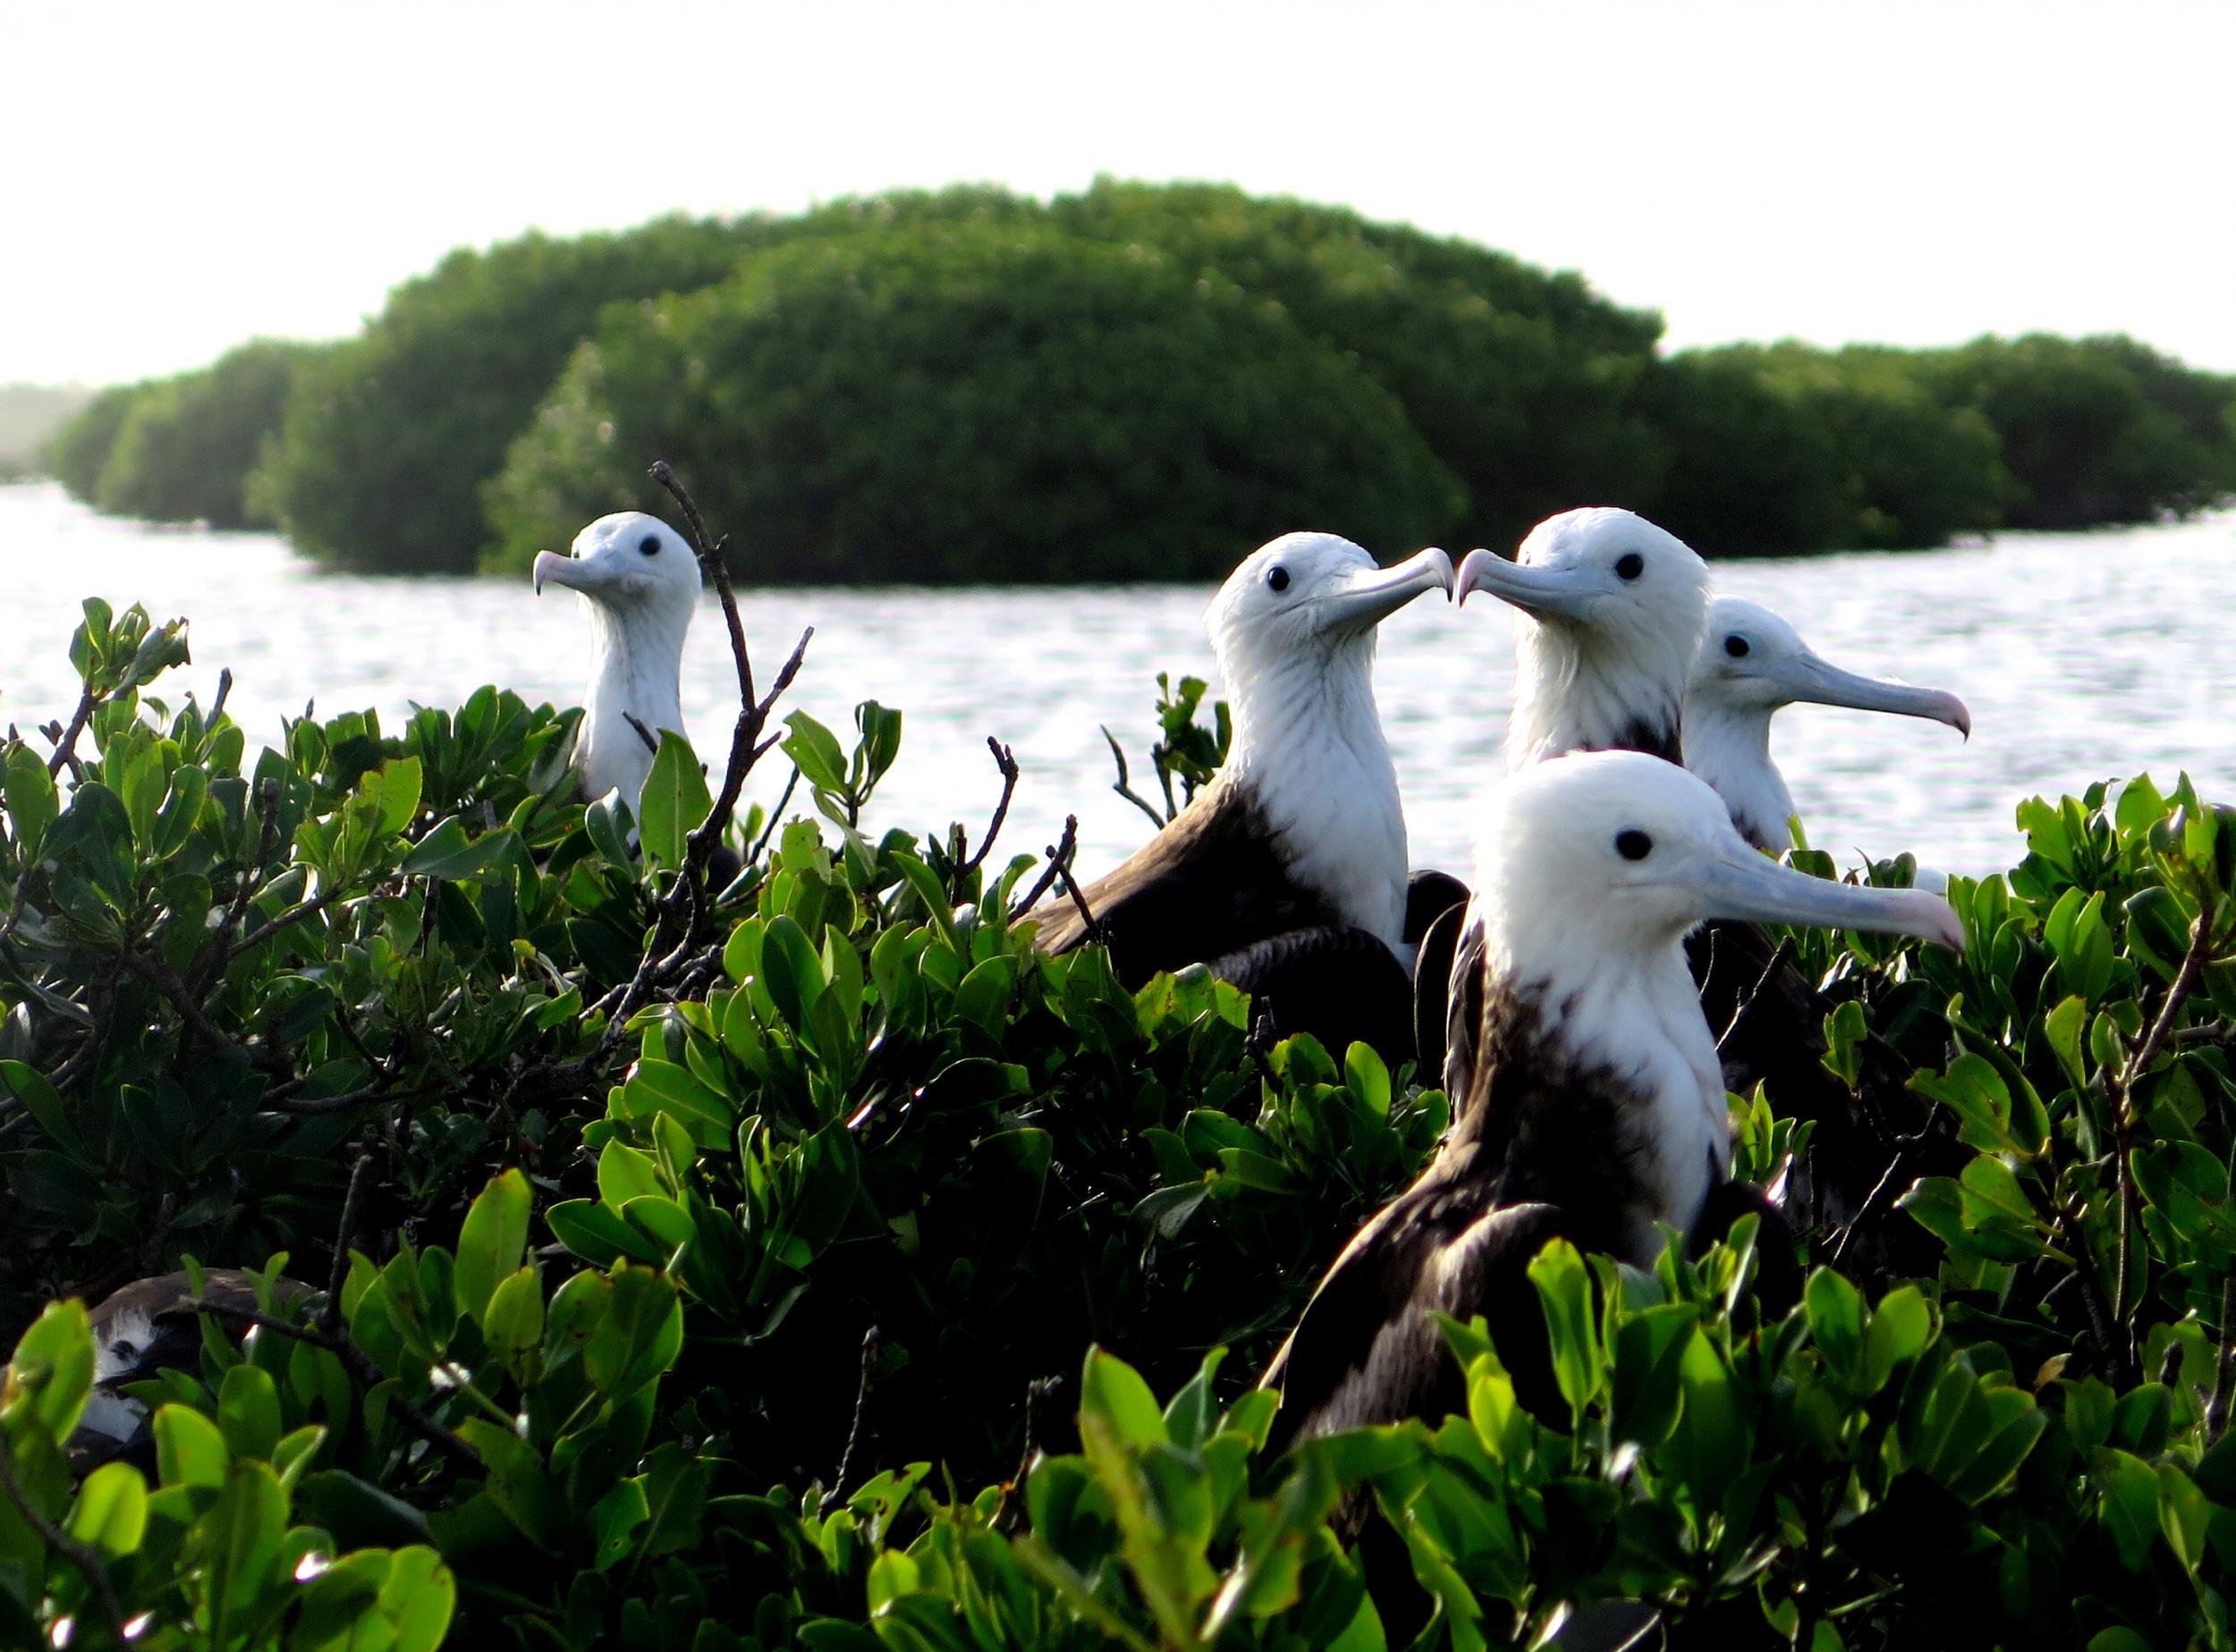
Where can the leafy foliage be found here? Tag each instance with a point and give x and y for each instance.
(701, 1338)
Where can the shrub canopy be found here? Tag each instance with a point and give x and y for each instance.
(981, 402)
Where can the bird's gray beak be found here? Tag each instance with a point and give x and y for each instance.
(1740, 884)
(1807, 678)
(552, 566)
(1370, 596)
(1565, 592)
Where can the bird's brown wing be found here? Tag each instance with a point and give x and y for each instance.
(1211, 882)
(1368, 1349)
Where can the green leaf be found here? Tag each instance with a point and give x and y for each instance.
(816, 750)
(518, 1482)
(675, 800)
(1114, 1392)
(28, 793)
(241, 1537)
(249, 1411)
(40, 1100)
(53, 1366)
(1835, 1311)
(491, 1242)
(112, 1509)
(446, 853)
(1564, 1287)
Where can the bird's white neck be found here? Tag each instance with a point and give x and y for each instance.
(1308, 743)
(1609, 1007)
(1576, 691)
(1729, 747)
(638, 675)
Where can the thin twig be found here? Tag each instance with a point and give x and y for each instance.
(651, 741)
(871, 1342)
(84, 1557)
(1059, 862)
(293, 915)
(1091, 929)
(1124, 785)
(775, 814)
(1005, 760)
(66, 743)
(2121, 1094)
(2225, 1369)
(2100, 1319)
(352, 1206)
(1778, 956)
(359, 1365)
(217, 949)
(158, 973)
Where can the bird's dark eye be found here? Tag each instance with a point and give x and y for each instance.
(649, 544)
(1735, 646)
(1278, 578)
(1634, 844)
(1629, 565)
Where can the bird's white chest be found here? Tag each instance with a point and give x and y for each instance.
(1733, 757)
(1646, 1028)
(1342, 825)
(636, 680)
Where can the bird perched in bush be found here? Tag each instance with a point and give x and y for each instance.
(639, 581)
(139, 1330)
(1588, 1100)
(1288, 874)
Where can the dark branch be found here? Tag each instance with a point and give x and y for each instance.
(832, 1498)
(1059, 865)
(1005, 760)
(2122, 1093)
(1123, 787)
(651, 741)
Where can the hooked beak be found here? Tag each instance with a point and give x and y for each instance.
(1740, 884)
(1370, 596)
(1564, 592)
(1809, 679)
(552, 566)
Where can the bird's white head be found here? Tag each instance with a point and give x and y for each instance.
(627, 562)
(1752, 663)
(1592, 859)
(1616, 606)
(1293, 628)
(1310, 594)
(1750, 657)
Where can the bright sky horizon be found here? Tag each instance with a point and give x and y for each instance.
(185, 178)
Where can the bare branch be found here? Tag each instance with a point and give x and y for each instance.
(2121, 1093)
(1123, 787)
(1005, 760)
(1059, 865)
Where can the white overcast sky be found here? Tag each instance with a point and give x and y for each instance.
(177, 178)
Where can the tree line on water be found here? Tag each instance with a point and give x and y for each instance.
(1127, 383)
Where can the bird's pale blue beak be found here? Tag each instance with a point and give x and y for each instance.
(1372, 595)
(1737, 883)
(1805, 678)
(1536, 590)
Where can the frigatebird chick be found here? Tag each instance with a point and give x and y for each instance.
(1589, 1101)
(1288, 874)
(139, 1330)
(1617, 606)
(638, 582)
(1751, 666)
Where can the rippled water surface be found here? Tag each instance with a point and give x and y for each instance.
(2082, 656)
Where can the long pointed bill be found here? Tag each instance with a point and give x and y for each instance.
(1755, 887)
(1372, 595)
(1567, 592)
(1810, 679)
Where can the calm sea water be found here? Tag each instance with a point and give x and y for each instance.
(2082, 656)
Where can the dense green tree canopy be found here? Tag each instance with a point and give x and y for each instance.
(1531, 392)
(975, 402)
(187, 445)
(387, 441)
